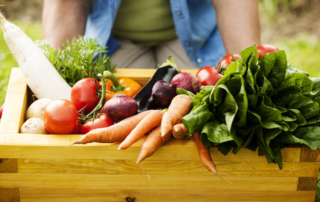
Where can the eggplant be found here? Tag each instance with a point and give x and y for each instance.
(164, 72)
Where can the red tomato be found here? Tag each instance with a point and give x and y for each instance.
(1, 111)
(83, 94)
(208, 76)
(266, 48)
(102, 121)
(60, 117)
(227, 60)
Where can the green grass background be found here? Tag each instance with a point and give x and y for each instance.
(303, 52)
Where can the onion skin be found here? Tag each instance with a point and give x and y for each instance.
(120, 107)
(163, 92)
(187, 81)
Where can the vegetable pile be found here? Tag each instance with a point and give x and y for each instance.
(255, 100)
(266, 104)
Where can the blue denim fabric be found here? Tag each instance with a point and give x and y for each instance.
(195, 23)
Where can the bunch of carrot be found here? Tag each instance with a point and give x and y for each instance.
(160, 126)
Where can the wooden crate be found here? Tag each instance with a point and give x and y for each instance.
(45, 168)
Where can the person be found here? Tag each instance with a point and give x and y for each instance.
(143, 33)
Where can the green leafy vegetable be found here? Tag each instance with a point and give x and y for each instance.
(78, 60)
(266, 104)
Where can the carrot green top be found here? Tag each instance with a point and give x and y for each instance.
(145, 22)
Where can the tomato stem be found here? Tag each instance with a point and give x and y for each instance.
(96, 111)
(116, 85)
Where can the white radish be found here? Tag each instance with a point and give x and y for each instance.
(37, 108)
(34, 126)
(40, 75)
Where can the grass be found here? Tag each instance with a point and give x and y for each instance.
(302, 52)
(7, 60)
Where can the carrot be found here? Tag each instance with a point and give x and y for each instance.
(115, 133)
(205, 156)
(148, 123)
(153, 141)
(179, 131)
(180, 106)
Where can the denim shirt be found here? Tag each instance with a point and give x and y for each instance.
(195, 23)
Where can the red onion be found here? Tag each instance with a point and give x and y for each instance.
(187, 81)
(120, 107)
(163, 92)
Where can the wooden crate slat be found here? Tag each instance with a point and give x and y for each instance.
(307, 183)
(111, 195)
(15, 103)
(57, 146)
(166, 167)
(142, 76)
(142, 182)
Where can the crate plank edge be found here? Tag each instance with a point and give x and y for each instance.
(45, 168)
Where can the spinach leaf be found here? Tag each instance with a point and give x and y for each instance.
(308, 136)
(274, 66)
(195, 120)
(291, 69)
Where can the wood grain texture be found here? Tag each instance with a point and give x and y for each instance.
(308, 155)
(9, 195)
(142, 76)
(112, 195)
(57, 147)
(8, 166)
(307, 184)
(16, 103)
(142, 182)
(166, 167)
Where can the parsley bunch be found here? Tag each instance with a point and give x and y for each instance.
(78, 60)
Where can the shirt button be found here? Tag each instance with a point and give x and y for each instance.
(199, 60)
(187, 44)
(178, 13)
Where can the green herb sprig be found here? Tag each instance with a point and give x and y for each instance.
(77, 59)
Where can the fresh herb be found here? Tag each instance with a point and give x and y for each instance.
(266, 104)
(82, 58)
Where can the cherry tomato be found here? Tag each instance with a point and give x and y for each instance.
(227, 60)
(266, 48)
(208, 76)
(60, 117)
(102, 121)
(83, 94)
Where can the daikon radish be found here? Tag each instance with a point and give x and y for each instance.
(40, 75)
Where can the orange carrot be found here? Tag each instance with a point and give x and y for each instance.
(148, 123)
(180, 106)
(115, 133)
(179, 131)
(153, 141)
(205, 156)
